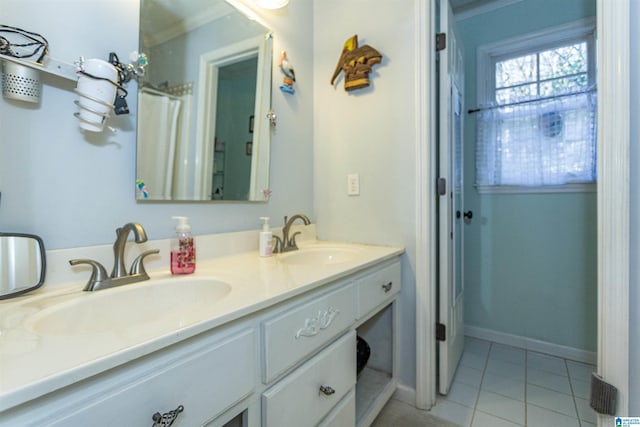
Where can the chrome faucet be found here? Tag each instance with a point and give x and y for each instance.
(101, 280)
(287, 244)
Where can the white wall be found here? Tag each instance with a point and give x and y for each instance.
(371, 132)
(75, 189)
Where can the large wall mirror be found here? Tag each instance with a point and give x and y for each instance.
(203, 131)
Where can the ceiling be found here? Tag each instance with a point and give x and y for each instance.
(164, 19)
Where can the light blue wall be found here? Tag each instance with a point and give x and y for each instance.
(74, 189)
(530, 259)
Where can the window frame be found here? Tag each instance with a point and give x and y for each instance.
(489, 54)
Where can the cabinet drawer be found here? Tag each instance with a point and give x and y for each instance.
(298, 401)
(205, 382)
(296, 334)
(342, 415)
(378, 287)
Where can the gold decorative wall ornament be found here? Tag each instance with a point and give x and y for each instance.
(357, 63)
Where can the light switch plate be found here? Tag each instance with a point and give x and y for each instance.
(353, 184)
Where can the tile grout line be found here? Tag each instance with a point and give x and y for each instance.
(484, 371)
(526, 372)
(573, 395)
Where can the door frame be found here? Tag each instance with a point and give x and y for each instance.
(613, 200)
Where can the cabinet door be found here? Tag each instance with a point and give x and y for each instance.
(310, 392)
(205, 382)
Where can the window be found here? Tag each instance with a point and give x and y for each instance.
(537, 128)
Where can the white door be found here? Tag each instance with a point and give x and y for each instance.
(451, 216)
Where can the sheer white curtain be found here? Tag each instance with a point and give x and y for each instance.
(547, 142)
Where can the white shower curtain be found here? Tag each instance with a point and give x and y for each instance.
(158, 132)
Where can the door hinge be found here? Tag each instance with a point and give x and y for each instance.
(442, 186)
(441, 41)
(441, 332)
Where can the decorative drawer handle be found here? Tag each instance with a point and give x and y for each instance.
(387, 287)
(166, 419)
(314, 325)
(326, 390)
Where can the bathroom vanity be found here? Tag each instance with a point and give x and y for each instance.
(275, 347)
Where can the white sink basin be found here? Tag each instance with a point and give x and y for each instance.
(162, 304)
(319, 256)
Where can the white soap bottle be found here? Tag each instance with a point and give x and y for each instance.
(266, 238)
(183, 248)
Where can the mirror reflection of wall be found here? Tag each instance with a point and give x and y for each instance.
(187, 101)
(234, 128)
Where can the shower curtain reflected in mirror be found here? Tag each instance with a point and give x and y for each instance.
(163, 141)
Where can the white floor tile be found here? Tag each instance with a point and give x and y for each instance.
(477, 346)
(469, 376)
(552, 400)
(507, 354)
(581, 389)
(506, 369)
(480, 419)
(540, 417)
(544, 362)
(547, 380)
(453, 412)
(473, 360)
(463, 394)
(501, 406)
(580, 371)
(585, 412)
(502, 385)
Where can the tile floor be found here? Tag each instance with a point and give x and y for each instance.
(501, 386)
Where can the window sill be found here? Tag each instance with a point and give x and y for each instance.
(517, 189)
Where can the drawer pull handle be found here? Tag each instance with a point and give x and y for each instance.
(326, 390)
(387, 287)
(166, 419)
(314, 325)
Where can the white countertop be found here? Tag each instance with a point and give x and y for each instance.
(32, 365)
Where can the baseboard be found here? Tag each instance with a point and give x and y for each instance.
(532, 344)
(405, 394)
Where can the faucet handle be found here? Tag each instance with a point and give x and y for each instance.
(138, 266)
(277, 245)
(98, 272)
(292, 241)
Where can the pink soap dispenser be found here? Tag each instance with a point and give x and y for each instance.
(183, 248)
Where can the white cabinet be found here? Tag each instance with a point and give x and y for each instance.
(298, 332)
(289, 364)
(364, 304)
(205, 377)
(377, 320)
(344, 414)
(377, 288)
(308, 394)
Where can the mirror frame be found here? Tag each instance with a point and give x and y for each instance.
(43, 263)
